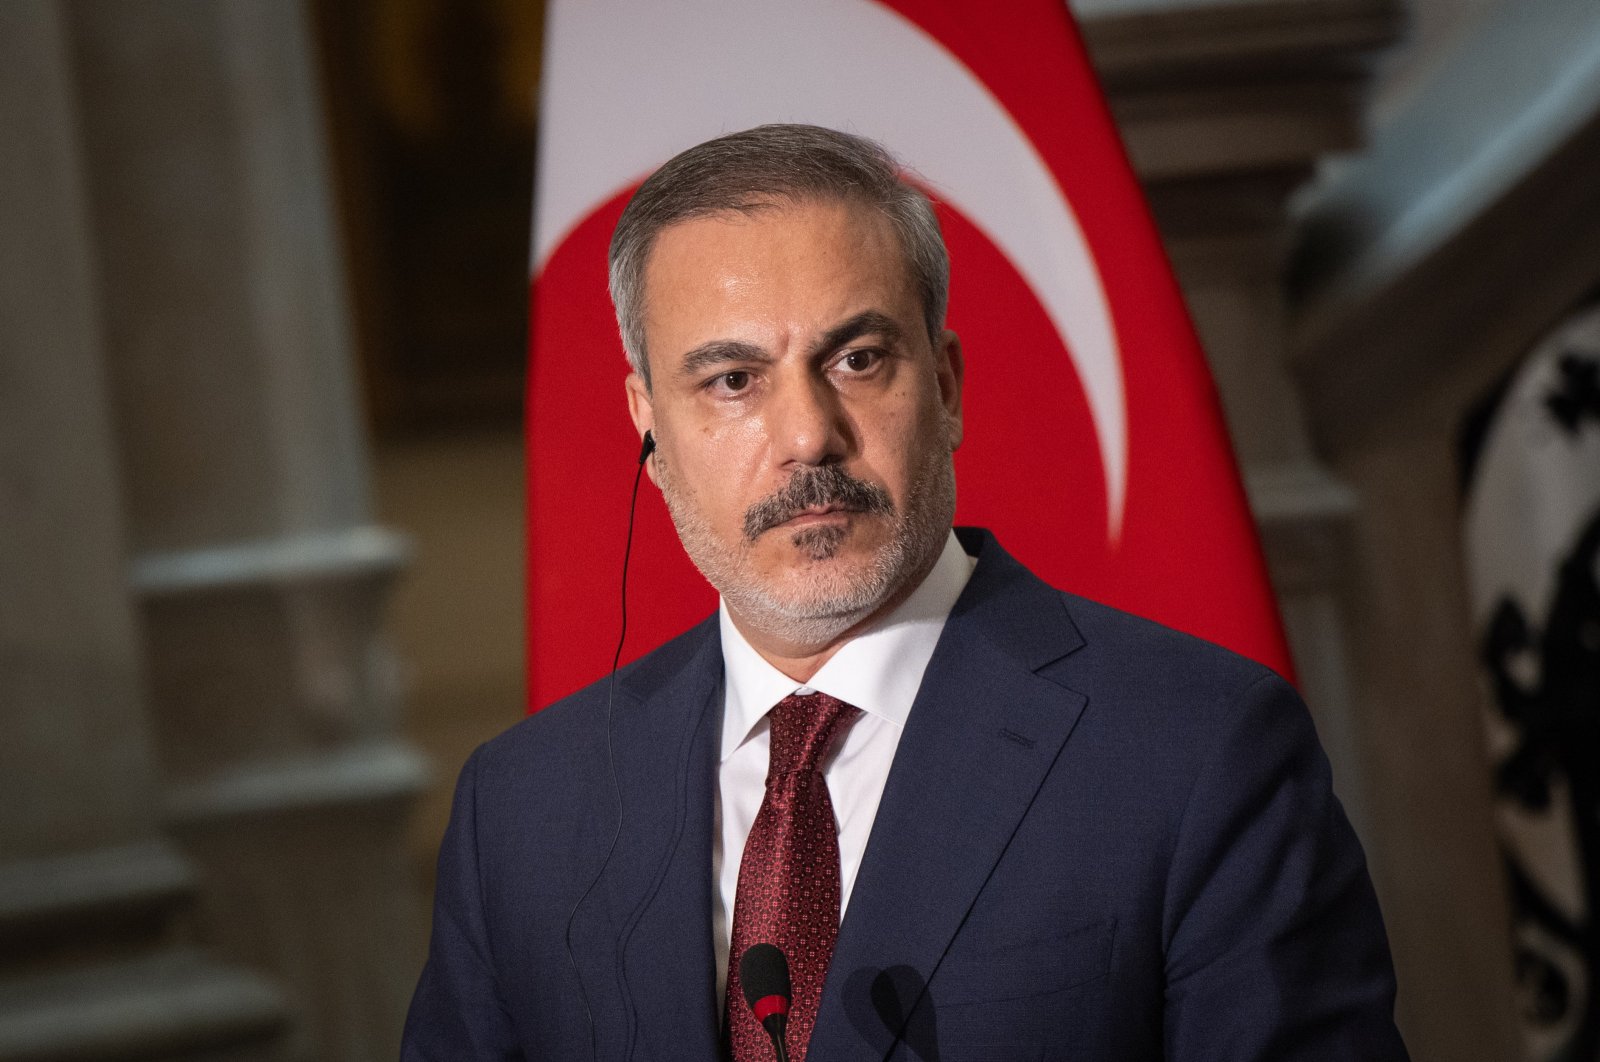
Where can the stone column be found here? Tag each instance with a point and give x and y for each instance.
(1227, 107)
(91, 893)
(257, 573)
(1430, 265)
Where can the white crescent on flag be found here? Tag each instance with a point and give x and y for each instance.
(674, 74)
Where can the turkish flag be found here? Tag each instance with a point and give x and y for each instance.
(1095, 447)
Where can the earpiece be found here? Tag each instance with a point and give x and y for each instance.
(645, 450)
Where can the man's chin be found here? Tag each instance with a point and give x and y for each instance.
(829, 579)
(821, 581)
(819, 542)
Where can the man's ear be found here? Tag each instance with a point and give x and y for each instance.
(951, 369)
(642, 412)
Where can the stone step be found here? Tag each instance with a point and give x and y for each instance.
(175, 1005)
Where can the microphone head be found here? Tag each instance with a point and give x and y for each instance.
(764, 975)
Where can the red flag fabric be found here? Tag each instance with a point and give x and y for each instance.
(1095, 447)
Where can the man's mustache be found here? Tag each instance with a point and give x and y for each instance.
(812, 488)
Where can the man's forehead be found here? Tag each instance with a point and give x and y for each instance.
(776, 278)
(783, 244)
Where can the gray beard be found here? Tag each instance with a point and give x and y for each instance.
(820, 616)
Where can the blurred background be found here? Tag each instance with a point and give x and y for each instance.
(263, 296)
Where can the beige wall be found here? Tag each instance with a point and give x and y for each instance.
(457, 619)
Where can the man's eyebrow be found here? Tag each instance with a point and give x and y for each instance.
(866, 323)
(719, 352)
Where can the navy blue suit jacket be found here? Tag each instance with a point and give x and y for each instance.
(1100, 839)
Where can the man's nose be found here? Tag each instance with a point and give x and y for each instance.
(808, 423)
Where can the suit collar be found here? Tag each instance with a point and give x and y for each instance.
(984, 732)
(1013, 610)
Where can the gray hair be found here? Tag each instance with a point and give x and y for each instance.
(744, 173)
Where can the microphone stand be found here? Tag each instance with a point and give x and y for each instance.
(780, 1046)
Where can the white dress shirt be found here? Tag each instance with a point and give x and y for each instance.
(878, 671)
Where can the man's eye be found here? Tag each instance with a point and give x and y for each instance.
(733, 381)
(860, 360)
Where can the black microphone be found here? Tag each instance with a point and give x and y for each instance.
(764, 976)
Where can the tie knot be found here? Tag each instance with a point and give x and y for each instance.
(804, 728)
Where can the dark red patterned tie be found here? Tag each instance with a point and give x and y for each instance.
(788, 892)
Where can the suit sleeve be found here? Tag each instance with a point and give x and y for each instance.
(1275, 945)
(457, 1012)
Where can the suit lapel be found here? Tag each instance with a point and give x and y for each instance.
(645, 932)
(982, 734)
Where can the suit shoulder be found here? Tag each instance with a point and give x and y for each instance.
(1164, 706)
(1151, 664)
(1094, 645)
(572, 728)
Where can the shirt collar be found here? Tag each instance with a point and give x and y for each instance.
(878, 671)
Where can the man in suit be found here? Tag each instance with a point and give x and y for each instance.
(983, 818)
